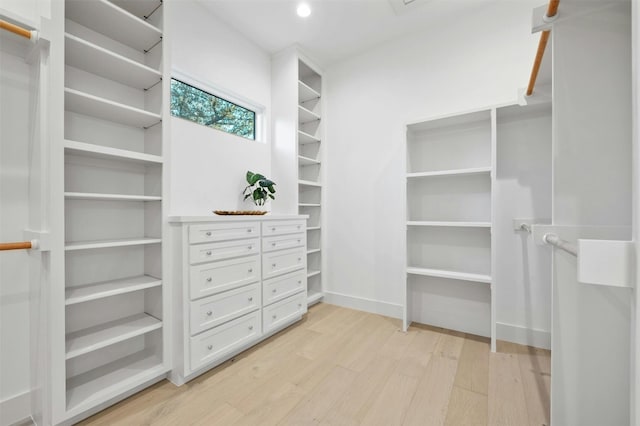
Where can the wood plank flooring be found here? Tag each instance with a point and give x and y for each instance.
(344, 367)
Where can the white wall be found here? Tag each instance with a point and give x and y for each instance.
(208, 166)
(474, 61)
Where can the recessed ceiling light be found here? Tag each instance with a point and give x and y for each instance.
(303, 10)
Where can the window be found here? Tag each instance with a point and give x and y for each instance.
(196, 105)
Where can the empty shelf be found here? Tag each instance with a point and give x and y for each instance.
(314, 297)
(470, 171)
(84, 103)
(139, 8)
(87, 245)
(449, 274)
(312, 273)
(306, 161)
(305, 138)
(309, 204)
(309, 183)
(113, 22)
(306, 93)
(313, 228)
(306, 116)
(88, 340)
(311, 251)
(89, 57)
(108, 197)
(99, 151)
(449, 224)
(103, 289)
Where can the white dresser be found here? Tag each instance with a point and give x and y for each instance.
(237, 280)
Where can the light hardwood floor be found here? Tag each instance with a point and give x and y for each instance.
(344, 367)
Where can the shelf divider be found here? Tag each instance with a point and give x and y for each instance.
(464, 276)
(95, 291)
(469, 171)
(87, 245)
(451, 224)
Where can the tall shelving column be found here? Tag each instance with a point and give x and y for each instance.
(448, 233)
(114, 315)
(309, 141)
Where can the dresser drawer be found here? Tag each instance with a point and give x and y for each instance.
(218, 309)
(283, 312)
(223, 232)
(281, 227)
(282, 287)
(280, 242)
(283, 261)
(215, 277)
(224, 339)
(225, 250)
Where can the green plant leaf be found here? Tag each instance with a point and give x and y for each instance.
(255, 178)
(246, 196)
(257, 194)
(272, 197)
(266, 182)
(249, 177)
(272, 189)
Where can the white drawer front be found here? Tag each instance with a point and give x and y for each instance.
(282, 287)
(212, 278)
(224, 339)
(280, 262)
(281, 227)
(223, 231)
(216, 251)
(218, 309)
(283, 312)
(282, 242)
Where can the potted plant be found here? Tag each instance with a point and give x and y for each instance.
(259, 188)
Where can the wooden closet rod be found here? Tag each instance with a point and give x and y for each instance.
(22, 245)
(552, 9)
(22, 32)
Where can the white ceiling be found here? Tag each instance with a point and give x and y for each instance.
(336, 29)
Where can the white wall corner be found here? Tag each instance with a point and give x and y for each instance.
(363, 304)
(15, 409)
(523, 336)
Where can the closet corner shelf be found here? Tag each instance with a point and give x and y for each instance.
(309, 205)
(309, 183)
(97, 60)
(469, 171)
(84, 103)
(314, 297)
(87, 245)
(311, 251)
(91, 339)
(114, 22)
(305, 138)
(312, 273)
(99, 151)
(306, 116)
(88, 292)
(449, 224)
(306, 93)
(108, 197)
(99, 385)
(464, 276)
(313, 228)
(306, 161)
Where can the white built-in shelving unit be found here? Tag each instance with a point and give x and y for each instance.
(115, 315)
(309, 149)
(450, 163)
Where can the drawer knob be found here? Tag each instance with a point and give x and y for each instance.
(273, 229)
(250, 327)
(249, 230)
(210, 347)
(298, 241)
(299, 259)
(299, 281)
(208, 233)
(299, 305)
(250, 299)
(273, 244)
(274, 290)
(208, 253)
(209, 279)
(274, 316)
(209, 313)
(250, 269)
(273, 265)
(298, 226)
(250, 247)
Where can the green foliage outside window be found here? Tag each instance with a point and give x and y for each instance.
(204, 108)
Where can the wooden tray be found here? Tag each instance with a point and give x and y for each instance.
(239, 212)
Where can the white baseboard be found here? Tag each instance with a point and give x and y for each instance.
(523, 336)
(363, 304)
(15, 409)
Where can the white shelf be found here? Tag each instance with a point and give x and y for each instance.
(309, 183)
(104, 289)
(139, 8)
(309, 205)
(108, 197)
(314, 297)
(464, 276)
(306, 116)
(306, 161)
(305, 138)
(114, 22)
(313, 251)
(108, 381)
(312, 273)
(87, 245)
(306, 93)
(470, 171)
(313, 228)
(99, 151)
(84, 103)
(450, 224)
(91, 339)
(89, 57)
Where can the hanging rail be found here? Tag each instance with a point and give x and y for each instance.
(542, 45)
(22, 245)
(22, 32)
(554, 240)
